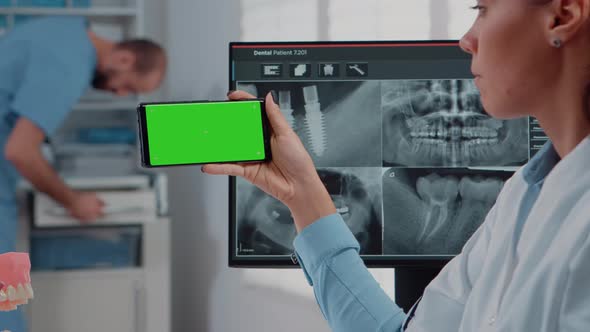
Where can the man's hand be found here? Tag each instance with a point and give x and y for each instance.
(86, 207)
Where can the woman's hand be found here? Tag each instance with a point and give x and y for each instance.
(290, 176)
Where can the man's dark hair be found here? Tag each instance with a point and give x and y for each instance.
(148, 54)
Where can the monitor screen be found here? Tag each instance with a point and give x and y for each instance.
(399, 138)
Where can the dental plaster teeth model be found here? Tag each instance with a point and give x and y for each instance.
(15, 280)
(314, 120)
(285, 106)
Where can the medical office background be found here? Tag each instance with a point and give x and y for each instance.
(207, 295)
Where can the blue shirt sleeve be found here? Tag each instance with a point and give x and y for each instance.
(45, 94)
(348, 295)
(48, 65)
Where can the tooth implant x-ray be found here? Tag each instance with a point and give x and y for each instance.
(265, 226)
(442, 123)
(435, 211)
(339, 123)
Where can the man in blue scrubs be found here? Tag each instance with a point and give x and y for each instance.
(45, 67)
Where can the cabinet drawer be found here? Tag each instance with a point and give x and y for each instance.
(85, 248)
(121, 207)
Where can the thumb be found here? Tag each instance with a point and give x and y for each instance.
(223, 169)
(277, 120)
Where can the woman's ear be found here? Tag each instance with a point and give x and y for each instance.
(566, 19)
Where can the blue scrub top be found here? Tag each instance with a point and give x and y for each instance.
(45, 66)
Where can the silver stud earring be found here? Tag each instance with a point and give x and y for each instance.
(557, 43)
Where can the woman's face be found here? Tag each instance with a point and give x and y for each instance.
(510, 53)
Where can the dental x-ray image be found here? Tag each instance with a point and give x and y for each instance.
(428, 123)
(435, 211)
(265, 226)
(339, 123)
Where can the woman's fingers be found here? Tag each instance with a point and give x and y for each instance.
(239, 95)
(224, 169)
(277, 120)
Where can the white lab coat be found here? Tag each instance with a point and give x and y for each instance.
(539, 282)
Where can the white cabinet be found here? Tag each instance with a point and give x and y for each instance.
(134, 299)
(89, 301)
(121, 300)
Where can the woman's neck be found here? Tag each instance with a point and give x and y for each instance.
(565, 123)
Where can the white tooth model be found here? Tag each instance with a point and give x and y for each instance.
(314, 120)
(286, 108)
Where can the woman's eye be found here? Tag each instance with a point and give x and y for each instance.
(479, 8)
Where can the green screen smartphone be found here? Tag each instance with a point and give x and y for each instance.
(203, 132)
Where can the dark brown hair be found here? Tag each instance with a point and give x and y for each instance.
(149, 56)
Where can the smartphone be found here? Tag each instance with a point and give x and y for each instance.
(203, 132)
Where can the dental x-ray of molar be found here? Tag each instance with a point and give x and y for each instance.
(339, 123)
(442, 123)
(435, 211)
(265, 226)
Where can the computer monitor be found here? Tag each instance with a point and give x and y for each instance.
(399, 138)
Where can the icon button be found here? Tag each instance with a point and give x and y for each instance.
(300, 70)
(272, 70)
(357, 69)
(329, 69)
